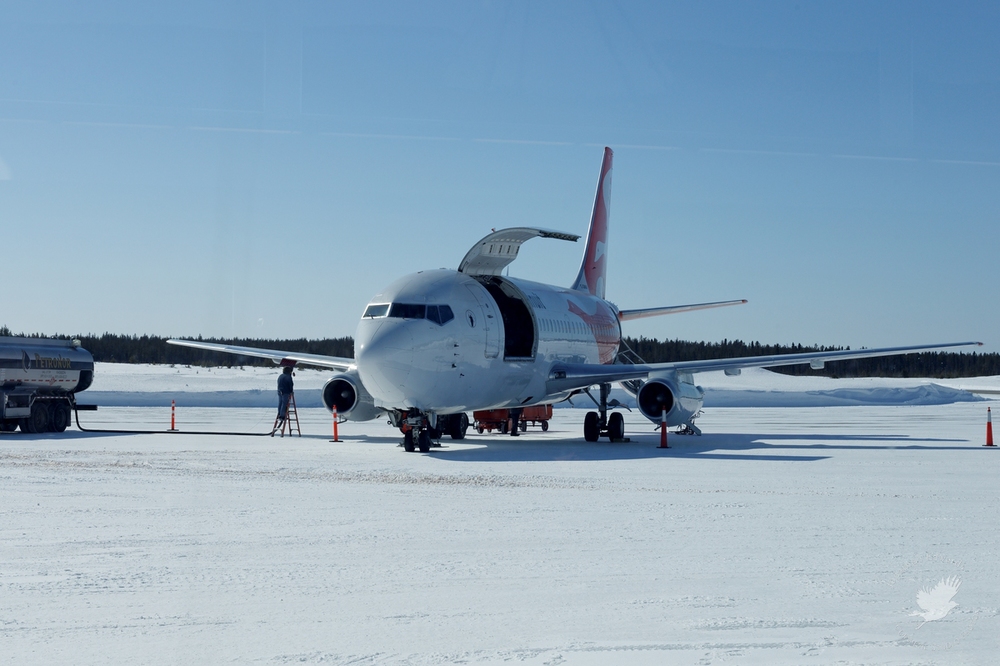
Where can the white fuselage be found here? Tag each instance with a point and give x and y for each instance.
(491, 348)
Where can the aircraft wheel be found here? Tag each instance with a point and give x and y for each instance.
(59, 418)
(424, 441)
(459, 425)
(545, 426)
(616, 426)
(591, 429)
(38, 421)
(408, 442)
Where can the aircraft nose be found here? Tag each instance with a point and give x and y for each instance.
(385, 358)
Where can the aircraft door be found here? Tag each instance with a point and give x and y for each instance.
(487, 318)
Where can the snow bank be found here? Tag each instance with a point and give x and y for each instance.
(147, 385)
(125, 385)
(926, 394)
(248, 398)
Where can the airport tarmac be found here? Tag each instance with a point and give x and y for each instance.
(781, 536)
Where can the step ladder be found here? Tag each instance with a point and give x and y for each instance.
(287, 422)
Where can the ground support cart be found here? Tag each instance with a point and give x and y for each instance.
(488, 420)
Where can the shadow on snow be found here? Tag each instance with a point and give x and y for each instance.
(713, 446)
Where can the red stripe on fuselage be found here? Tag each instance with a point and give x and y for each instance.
(604, 325)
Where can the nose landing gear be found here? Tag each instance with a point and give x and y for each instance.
(419, 433)
(421, 441)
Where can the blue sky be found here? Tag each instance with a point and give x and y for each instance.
(262, 169)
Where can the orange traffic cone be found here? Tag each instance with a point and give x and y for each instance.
(989, 428)
(336, 438)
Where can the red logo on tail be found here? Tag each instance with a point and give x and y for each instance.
(593, 270)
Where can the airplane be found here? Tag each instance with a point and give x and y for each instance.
(436, 344)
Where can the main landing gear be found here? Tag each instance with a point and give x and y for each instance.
(421, 431)
(599, 423)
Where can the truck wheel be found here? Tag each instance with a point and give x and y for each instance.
(59, 418)
(545, 426)
(8, 426)
(38, 421)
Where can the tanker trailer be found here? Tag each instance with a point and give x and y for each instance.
(38, 382)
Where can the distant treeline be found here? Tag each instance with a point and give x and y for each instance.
(112, 348)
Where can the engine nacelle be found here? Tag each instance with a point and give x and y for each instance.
(348, 395)
(673, 392)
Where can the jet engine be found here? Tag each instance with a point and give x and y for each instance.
(673, 392)
(348, 395)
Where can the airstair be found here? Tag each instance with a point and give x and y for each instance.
(627, 356)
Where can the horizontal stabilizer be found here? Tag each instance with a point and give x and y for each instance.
(629, 315)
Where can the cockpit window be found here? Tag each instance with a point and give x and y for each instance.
(408, 310)
(377, 310)
(440, 314)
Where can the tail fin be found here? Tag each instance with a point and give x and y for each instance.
(595, 255)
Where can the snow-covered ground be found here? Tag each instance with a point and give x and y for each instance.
(781, 536)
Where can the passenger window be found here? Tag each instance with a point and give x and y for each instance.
(408, 310)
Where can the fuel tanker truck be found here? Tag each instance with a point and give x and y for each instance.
(39, 380)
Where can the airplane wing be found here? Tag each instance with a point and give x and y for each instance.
(570, 376)
(278, 356)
